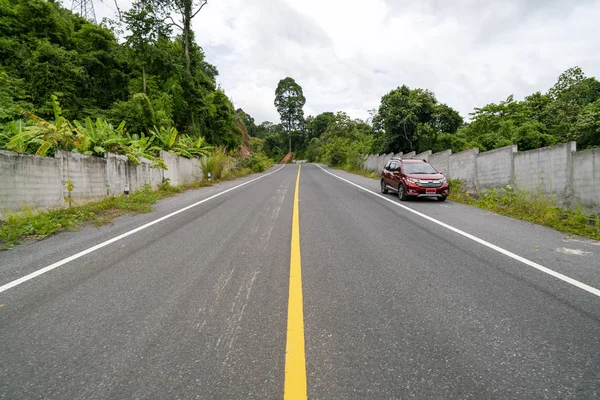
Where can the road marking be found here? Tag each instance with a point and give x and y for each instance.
(514, 256)
(64, 261)
(295, 359)
(573, 252)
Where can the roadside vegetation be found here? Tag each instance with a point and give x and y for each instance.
(413, 119)
(28, 223)
(69, 84)
(141, 84)
(532, 206)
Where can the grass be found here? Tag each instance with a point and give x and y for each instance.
(530, 206)
(28, 223)
(361, 172)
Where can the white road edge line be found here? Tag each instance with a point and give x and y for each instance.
(525, 261)
(64, 261)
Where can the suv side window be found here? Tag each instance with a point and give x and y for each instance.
(395, 166)
(388, 166)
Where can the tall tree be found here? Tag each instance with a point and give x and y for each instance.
(187, 10)
(145, 29)
(289, 101)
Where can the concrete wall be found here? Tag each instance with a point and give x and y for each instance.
(440, 160)
(181, 170)
(87, 173)
(570, 176)
(40, 181)
(423, 156)
(548, 169)
(495, 168)
(116, 173)
(140, 175)
(371, 162)
(463, 166)
(29, 180)
(586, 177)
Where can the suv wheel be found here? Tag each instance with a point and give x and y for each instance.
(384, 188)
(402, 192)
(443, 198)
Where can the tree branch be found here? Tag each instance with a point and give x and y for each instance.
(197, 11)
(119, 11)
(172, 21)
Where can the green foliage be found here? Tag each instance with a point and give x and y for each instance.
(70, 187)
(258, 162)
(58, 134)
(531, 206)
(189, 147)
(101, 137)
(316, 126)
(586, 129)
(411, 119)
(151, 79)
(24, 142)
(215, 163)
(13, 97)
(220, 126)
(568, 111)
(143, 147)
(289, 102)
(342, 143)
(137, 111)
(248, 122)
(98, 138)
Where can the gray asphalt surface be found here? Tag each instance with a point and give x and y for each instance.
(395, 306)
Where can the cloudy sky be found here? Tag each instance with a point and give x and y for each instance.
(346, 54)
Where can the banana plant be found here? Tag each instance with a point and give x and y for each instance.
(101, 137)
(189, 147)
(59, 134)
(23, 142)
(143, 147)
(166, 136)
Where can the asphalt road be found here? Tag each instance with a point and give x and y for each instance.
(395, 305)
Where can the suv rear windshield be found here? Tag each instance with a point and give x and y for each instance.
(419, 169)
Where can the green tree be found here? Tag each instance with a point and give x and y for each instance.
(408, 120)
(221, 127)
(187, 11)
(248, 122)
(145, 29)
(316, 126)
(289, 102)
(587, 126)
(342, 143)
(570, 95)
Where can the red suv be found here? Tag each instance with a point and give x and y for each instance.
(413, 178)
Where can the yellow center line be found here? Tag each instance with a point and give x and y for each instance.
(295, 359)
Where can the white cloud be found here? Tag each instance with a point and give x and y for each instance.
(346, 54)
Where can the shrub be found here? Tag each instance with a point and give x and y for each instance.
(215, 163)
(258, 162)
